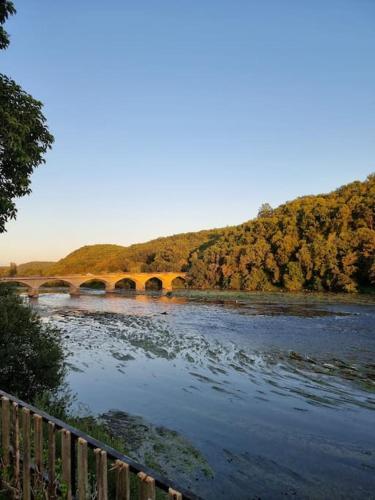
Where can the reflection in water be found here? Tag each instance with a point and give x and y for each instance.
(277, 395)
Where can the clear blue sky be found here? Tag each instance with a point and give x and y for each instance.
(173, 116)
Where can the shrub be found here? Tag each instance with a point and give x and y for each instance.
(31, 355)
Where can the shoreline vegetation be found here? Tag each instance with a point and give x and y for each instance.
(317, 243)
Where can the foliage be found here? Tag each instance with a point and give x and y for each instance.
(6, 9)
(163, 254)
(24, 136)
(31, 355)
(265, 210)
(34, 268)
(324, 242)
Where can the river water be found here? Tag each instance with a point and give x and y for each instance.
(265, 396)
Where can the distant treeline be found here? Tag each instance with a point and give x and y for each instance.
(324, 242)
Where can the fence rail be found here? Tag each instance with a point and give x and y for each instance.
(43, 457)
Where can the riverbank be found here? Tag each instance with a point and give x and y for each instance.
(366, 296)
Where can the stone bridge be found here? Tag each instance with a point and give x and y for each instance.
(136, 281)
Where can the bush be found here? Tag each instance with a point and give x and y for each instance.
(31, 354)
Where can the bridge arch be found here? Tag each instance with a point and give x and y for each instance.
(54, 283)
(127, 283)
(94, 282)
(15, 282)
(154, 283)
(178, 282)
(31, 288)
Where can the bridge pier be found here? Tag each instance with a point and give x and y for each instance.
(167, 285)
(110, 288)
(74, 291)
(33, 293)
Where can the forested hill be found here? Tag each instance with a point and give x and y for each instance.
(324, 242)
(171, 253)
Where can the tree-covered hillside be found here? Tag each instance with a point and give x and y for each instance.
(163, 254)
(324, 242)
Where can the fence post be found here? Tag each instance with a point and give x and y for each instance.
(146, 487)
(26, 487)
(82, 469)
(38, 451)
(122, 481)
(66, 462)
(174, 495)
(101, 474)
(51, 461)
(16, 448)
(73, 463)
(5, 428)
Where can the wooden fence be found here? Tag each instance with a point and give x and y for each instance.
(42, 457)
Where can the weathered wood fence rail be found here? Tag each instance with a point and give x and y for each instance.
(42, 457)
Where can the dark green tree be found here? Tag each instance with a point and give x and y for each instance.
(24, 136)
(6, 9)
(31, 355)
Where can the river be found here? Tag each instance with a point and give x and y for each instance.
(252, 396)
